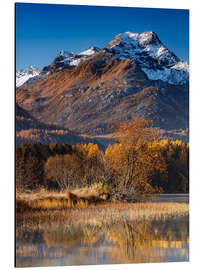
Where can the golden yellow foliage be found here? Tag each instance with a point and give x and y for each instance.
(137, 158)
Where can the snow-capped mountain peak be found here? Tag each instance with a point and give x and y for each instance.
(155, 59)
(23, 76)
(69, 59)
(90, 51)
(132, 45)
(136, 39)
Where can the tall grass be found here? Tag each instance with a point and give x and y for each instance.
(106, 212)
(43, 199)
(49, 204)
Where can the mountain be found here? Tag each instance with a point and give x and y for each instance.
(23, 76)
(155, 59)
(135, 75)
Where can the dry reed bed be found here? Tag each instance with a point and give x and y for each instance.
(41, 194)
(45, 206)
(46, 200)
(105, 213)
(44, 194)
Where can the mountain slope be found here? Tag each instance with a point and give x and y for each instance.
(29, 130)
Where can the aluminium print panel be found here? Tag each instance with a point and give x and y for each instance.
(102, 135)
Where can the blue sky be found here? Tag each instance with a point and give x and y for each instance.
(42, 30)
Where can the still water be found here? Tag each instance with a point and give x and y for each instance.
(126, 241)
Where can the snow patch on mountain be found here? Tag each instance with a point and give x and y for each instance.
(182, 66)
(74, 59)
(90, 51)
(23, 76)
(177, 74)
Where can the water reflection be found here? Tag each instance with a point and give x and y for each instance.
(101, 243)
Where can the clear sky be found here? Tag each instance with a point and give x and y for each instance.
(42, 30)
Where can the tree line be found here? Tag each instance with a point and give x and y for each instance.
(138, 163)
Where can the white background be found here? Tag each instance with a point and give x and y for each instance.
(196, 135)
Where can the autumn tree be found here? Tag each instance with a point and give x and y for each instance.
(29, 171)
(93, 163)
(20, 170)
(134, 160)
(176, 154)
(66, 170)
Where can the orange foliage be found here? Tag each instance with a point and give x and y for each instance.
(134, 160)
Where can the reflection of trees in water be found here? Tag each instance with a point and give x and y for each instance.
(143, 241)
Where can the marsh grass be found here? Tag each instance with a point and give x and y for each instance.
(103, 213)
(49, 204)
(44, 207)
(47, 200)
